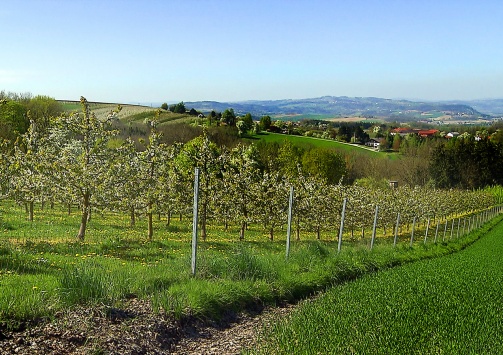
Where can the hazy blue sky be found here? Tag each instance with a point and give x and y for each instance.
(230, 50)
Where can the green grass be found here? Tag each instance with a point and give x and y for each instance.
(71, 106)
(307, 142)
(451, 305)
(44, 270)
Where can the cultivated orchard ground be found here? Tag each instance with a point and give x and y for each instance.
(43, 269)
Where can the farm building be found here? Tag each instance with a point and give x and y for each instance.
(427, 132)
(374, 143)
(402, 131)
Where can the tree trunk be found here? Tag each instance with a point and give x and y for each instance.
(150, 225)
(271, 233)
(31, 211)
(181, 216)
(83, 221)
(70, 209)
(203, 221)
(26, 209)
(242, 231)
(168, 218)
(297, 230)
(318, 232)
(132, 220)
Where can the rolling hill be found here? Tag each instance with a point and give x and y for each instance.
(343, 106)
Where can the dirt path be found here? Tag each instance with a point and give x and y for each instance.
(237, 336)
(135, 329)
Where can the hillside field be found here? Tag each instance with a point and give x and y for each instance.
(129, 113)
(305, 142)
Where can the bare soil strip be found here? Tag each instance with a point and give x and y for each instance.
(136, 329)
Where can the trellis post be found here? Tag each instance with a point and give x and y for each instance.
(412, 233)
(195, 221)
(289, 229)
(341, 230)
(396, 228)
(427, 228)
(374, 228)
(436, 232)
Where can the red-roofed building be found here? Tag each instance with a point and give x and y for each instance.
(403, 131)
(428, 132)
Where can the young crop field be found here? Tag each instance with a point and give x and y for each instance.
(450, 305)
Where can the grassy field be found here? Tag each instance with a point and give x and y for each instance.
(324, 143)
(44, 270)
(450, 305)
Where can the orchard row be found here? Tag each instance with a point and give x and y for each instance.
(77, 161)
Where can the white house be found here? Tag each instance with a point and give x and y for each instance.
(374, 143)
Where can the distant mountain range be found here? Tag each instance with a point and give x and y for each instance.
(354, 106)
(490, 106)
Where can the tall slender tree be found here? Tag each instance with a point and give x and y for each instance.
(27, 181)
(153, 174)
(241, 174)
(205, 155)
(76, 158)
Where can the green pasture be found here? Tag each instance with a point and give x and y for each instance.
(447, 305)
(71, 106)
(299, 117)
(307, 142)
(43, 269)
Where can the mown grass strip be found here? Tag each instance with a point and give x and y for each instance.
(451, 305)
